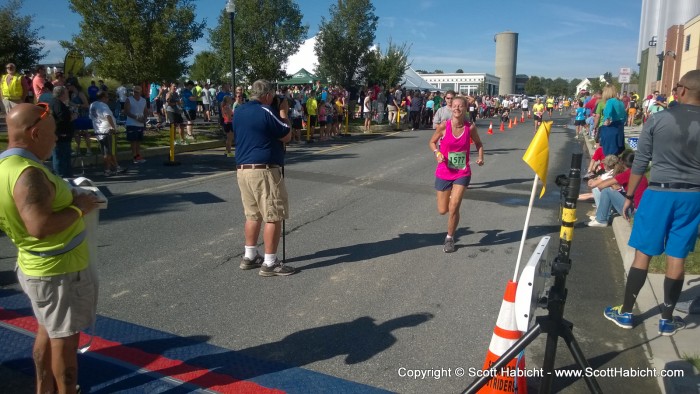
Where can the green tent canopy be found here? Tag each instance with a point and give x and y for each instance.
(301, 77)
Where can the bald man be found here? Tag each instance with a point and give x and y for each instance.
(42, 216)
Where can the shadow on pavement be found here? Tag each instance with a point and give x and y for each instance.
(373, 250)
(358, 340)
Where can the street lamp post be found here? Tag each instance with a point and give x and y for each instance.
(231, 9)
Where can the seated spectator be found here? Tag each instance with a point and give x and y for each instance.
(611, 201)
(595, 167)
(609, 164)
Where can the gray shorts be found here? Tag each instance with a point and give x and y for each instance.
(64, 304)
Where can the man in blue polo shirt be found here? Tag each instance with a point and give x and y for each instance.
(260, 138)
(189, 104)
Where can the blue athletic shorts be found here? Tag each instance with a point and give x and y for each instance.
(666, 221)
(441, 185)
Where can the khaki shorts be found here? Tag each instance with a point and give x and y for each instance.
(64, 304)
(263, 194)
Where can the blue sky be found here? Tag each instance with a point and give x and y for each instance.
(556, 39)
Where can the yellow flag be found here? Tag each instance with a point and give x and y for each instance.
(537, 154)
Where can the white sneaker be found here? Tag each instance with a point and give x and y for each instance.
(591, 217)
(595, 223)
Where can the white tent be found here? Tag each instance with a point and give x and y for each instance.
(411, 80)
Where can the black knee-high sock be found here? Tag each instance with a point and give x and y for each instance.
(635, 280)
(672, 292)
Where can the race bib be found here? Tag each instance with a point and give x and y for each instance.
(457, 160)
(471, 109)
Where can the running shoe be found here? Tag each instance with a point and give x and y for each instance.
(449, 246)
(278, 269)
(248, 264)
(615, 314)
(669, 327)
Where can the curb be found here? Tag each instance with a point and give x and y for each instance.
(96, 159)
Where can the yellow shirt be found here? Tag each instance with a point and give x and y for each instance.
(538, 109)
(312, 106)
(550, 103)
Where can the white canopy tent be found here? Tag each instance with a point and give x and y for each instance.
(411, 80)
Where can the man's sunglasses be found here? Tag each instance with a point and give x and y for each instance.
(43, 115)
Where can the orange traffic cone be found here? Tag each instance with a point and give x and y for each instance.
(515, 123)
(505, 334)
(502, 127)
(491, 128)
(510, 123)
(522, 117)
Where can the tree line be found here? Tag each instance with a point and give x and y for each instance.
(152, 40)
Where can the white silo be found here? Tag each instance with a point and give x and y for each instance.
(506, 59)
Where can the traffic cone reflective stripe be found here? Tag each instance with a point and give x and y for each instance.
(505, 334)
(490, 128)
(508, 334)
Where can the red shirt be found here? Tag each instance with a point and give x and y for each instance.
(590, 105)
(624, 178)
(626, 101)
(598, 156)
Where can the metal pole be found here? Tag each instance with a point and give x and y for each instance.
(233, 56)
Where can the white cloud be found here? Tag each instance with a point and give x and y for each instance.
(54, 51)
(304, 58)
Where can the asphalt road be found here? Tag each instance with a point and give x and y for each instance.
(375, 293)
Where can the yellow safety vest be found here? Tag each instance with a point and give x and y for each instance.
(56, 254)
(14, 90)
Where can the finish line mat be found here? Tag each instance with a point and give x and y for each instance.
(129, 358)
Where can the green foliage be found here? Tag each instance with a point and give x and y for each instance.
(692, 262)
(572, 85)
(459, 71)
(596, 85)
(534, 86)
(206, 65)
(420, 71)
(559, 87)
(389, 67)
(343, 42)
(438, 71)
(136, 40)
(266, 33)
(608, 77)
(634, 78)
(19, 42)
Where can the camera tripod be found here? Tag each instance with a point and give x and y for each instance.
(553, 324)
